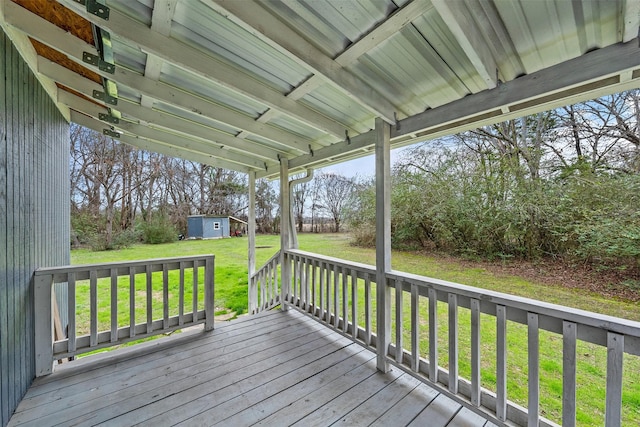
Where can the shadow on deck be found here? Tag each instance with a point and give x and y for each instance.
(275, 368)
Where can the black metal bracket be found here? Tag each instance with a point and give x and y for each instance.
(98, 9)
(346, 136)
(111, 133)
(95, 60)
(104, 97)
(108, 118)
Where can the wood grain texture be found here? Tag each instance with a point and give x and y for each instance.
(34, 215)
(274, 368)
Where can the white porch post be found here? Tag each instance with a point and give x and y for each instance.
(251, 234)
(285, 242)
(383, 241)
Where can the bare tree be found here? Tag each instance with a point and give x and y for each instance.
(334, 194)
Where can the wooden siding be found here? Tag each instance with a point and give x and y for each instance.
(34, 213)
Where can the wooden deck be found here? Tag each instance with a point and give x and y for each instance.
(275, 368)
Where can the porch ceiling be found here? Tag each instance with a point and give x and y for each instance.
(239, 84)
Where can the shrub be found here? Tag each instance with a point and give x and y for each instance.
(158, 229)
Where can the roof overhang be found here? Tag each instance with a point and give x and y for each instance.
(240, 85)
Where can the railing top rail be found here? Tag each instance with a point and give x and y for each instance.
(600, 321)
(117, 264)
(366, 268)
(596, 320)
(270, 260)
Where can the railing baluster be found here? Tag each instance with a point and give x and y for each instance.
(276, 290)
(433, 335)
(328, 292)
(367, 309)
(314, 272)
(209, 302)
(453, 343)
(264, 297)
(399, 306)
(321, 289)
(149, 288)
(354, 304)
(475, 352)
(307, 296)
(345, 303)
(569, 335)
(533, 350)
(267, 283)
(132, 302)
(615, 351)
(501, 362)
(181, 296)
(336, 294)
(415, 328)
(71, 302)
(165, 296)
(194, 298)
(114, 304)
(93, 298)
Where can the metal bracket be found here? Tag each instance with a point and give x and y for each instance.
(395, 117)
(346, 135)
(104, 97)
(310, 150)
(96, 8)
(266, 167)
(111, 133)
(95, 60)
(108, 118)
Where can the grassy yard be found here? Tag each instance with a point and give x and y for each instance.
(231, 295)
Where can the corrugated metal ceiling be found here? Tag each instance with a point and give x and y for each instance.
(304, 78)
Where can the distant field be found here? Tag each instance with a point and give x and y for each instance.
(231, 296)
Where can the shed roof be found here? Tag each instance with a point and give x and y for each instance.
(240, 84)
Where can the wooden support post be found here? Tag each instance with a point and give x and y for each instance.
(43, 324)
(251, 234)
(383, 242)
(285, 264)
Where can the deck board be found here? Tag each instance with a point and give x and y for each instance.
(276, 368)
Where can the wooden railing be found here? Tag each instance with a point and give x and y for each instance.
(342, 295)
(181, 290)
(264, 290)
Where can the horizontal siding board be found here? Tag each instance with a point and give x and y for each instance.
(34, 214)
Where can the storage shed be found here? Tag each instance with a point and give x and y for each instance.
(214, 226)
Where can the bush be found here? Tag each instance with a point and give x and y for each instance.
(158, 229)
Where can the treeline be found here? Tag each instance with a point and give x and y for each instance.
(121, 195)
(559, 183)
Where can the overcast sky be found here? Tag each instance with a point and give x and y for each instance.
(363, 167)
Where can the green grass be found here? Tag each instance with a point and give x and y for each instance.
(231, 295)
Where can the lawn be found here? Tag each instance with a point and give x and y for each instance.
(231, 296)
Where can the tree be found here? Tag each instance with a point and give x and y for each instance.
(334, 194)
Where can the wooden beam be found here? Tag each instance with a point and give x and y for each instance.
(630, 20)
(28, 53)
(271, 30)
(81, 105)
(533, 88)
(155, 147)
(73, 47)
(394, 23)
(386, 29)
(464, 29)
(161, 19)
(207, 67)
(158, 118)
